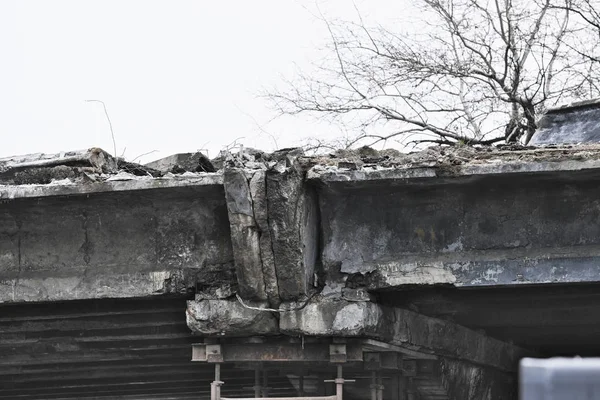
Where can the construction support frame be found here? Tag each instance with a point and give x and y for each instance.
(215, 393)
(377, 359)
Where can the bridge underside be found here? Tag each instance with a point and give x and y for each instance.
(141, 348)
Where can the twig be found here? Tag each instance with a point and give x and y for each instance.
(145, 154)
(259, 126)
(111, 130)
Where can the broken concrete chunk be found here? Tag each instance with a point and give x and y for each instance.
(351, 165)
(326, 317)
(258, 192)
(223, 291)
(44, 168)
(359, 294)
(245, 235)
(182, 162)
(293, 220)
(229, 317)
(121, 176)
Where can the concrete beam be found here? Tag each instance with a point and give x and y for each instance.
(495, 231)
(12, 192)
(178, 163)
(488, 268)
(403, 328)
(126, 244)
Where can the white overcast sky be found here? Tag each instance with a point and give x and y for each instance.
(175, 75)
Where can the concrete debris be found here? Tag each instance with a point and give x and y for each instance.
(221, 317)
(44, 168)
(180, 163)
(121, 176)
(96, 165)
(82, 166)
(445, 157)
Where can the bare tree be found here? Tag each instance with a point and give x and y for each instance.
(479, 72)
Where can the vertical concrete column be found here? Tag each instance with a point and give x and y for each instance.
(245, 235)
(294, 224)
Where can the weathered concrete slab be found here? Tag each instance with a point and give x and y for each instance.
(493, 231)
(461, 171)
(124, 244)
(68, 188)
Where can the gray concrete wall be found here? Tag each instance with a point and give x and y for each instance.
(490, 231)
(126, 244)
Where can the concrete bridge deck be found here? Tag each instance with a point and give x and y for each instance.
(462, 260)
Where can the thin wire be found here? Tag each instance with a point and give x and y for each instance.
(111, 130)
(274, 309)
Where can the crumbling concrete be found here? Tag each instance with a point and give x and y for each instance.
(293, 218)
(490, 216)
(274, 227)
(285, 244)
(44, 168)
(224, 317)
(183, 162)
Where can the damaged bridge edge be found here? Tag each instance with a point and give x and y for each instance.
(13, 192)
(322, 312)
(274, 225)
(340, 175)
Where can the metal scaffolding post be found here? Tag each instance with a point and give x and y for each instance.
(410, 390)
(339, 383)
(379, 386)
(215, 386)
(301, 382)
(265, 385)
(257, 388)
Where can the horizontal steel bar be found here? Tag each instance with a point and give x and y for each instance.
(282, 398)
(276, 351)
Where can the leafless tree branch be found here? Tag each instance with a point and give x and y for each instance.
(482, 73)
